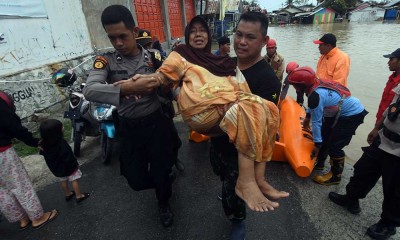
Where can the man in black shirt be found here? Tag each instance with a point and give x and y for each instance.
(250, 39)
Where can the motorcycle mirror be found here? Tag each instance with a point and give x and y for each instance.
(64, 77)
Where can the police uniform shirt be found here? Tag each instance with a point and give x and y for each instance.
(113, 67)
(386, 144)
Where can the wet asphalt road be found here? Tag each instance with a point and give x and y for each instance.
(114, 211)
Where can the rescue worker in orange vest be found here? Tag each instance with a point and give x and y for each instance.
(331, 103)
(333, 64)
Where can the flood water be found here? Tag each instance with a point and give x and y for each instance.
(364, 43)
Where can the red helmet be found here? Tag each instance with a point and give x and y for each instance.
(302, 77)
(7, 98)
(291, 66)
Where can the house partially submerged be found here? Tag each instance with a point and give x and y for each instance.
(392, 12)
(286, 14)
(366, 13)
(318, 15)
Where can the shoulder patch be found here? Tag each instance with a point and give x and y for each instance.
(100, 62)
(157, 56)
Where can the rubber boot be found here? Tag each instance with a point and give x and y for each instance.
(334, 176)
(320, 164)
(322, 156)
(238, 230)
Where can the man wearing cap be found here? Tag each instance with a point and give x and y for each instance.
(224, 46)
(144, 38)
(275, 59)
(333, 64)
(380, 159)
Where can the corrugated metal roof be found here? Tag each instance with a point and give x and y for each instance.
(392, 3)
(361, 7)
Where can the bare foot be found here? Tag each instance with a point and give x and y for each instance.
(270, 191)
(251, 194)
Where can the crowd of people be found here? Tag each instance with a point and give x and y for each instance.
(233, 100)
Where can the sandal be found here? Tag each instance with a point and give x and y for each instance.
(85, 195)
(53, 214)
(26, 226)
(68, 198)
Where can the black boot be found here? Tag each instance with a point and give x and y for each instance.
(322, 156)
(238, 230)
(179, 165)
(166, 215)
(381, 230)
(320, 164)
(351, 205)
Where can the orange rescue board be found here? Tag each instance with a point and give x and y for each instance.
(295, 144)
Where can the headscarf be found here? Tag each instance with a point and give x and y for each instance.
(217, 65)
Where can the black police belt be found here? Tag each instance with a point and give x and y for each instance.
(392, 136)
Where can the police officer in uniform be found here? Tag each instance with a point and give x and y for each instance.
(146, 158)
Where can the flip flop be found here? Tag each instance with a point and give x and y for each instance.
(52, 216)
(26, 226)
(68, 198)
(85, 196)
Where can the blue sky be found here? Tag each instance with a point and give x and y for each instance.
(272, 5)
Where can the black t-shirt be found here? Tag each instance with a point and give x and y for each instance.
(263, 82)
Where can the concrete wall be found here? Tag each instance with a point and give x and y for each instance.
(34, 42)
(92, 10)
(31, 48)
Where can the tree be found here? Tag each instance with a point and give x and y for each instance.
(296, 2)
(340, 6)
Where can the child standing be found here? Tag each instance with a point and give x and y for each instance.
(60, 158)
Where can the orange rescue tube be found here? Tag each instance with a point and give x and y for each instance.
(295, 144)
(198, 137)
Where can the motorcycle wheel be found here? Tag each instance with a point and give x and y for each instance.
(106, 148)
(77, 143)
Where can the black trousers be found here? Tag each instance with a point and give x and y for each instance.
(336, 138)
(146, 156)
(224, 161)
(373, 164)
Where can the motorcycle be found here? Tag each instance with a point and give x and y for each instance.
(87, 118)
(104, 114)
(175, 43)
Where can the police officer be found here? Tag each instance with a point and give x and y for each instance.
(145, 159)
(144, 38)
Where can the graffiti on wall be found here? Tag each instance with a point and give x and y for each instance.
(34, 92)
(46, 40)
(32, 97)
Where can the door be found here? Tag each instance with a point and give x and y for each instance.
(175, 18)
(148, 13)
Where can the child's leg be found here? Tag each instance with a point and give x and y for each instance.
(77, 189)
(264, 186)
(65, 188)
(247, 189)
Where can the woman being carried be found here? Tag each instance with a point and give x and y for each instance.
(209, 101)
